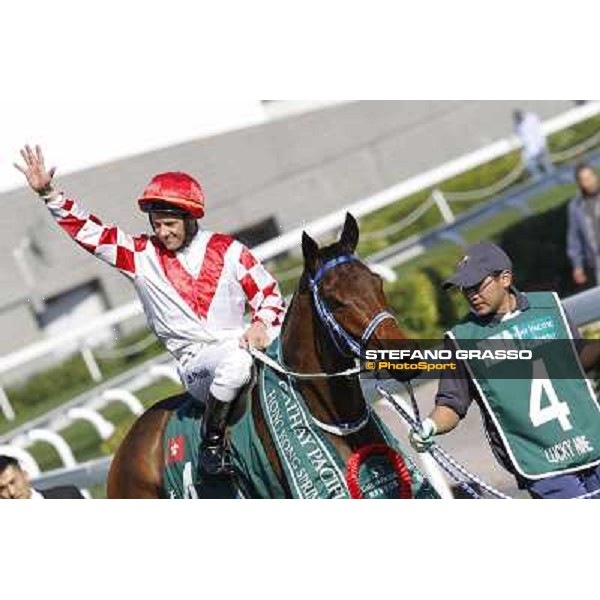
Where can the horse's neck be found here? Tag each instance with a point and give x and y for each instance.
(306, 348)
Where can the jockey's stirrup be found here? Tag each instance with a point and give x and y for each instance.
(213, 458)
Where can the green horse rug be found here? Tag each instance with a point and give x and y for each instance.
(312, 466)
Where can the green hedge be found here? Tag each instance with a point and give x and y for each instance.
(474, 179)
(536, 244)
(58, 384)
(83, 439)
(423, 309)
(567, 138)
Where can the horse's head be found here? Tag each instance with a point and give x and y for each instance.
(348, 297)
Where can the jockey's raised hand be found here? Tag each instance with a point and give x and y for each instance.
(38, 178)
(255, 336)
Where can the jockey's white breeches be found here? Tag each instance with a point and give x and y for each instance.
(221, 368)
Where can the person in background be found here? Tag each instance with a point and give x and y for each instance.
(583, 227)
(15, 484)
(535, 155)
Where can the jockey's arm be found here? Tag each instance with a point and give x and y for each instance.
(256, 336)
(105, 241)
(262, 293)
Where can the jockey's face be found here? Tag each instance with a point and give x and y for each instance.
(14, 484)
(169, 229)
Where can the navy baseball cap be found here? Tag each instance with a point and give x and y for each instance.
(479, 261)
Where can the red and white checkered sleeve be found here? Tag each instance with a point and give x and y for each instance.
(107, 242)
(262, 291)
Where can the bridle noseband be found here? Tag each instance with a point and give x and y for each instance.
(346, 344)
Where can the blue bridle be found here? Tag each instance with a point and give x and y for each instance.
(343, 341)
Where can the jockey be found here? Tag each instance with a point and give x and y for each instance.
(193, 285)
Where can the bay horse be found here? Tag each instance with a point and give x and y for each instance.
(338, 309)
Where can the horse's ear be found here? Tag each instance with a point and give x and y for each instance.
(310, 250)
(349, 238)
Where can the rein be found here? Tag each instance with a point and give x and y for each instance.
(342, 429)
(260, 355)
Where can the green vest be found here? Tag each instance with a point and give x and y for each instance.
(544, 409)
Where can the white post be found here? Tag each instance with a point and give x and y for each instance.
(6, 406)
(56, 440)
(165, 371)
(91, 364)
(386, 273)
(104, 428)
(28, 463)
(434, 473)
(126, 397)
(27, 274)
(443, 206)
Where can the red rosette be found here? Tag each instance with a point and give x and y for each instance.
(357, 459)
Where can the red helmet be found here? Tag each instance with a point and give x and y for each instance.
(173, 192)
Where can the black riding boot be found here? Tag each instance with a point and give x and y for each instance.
(213, 460)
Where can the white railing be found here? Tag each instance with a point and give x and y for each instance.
(47, 429)
(292, 239)
(83, 475)
(425, 180)
(112, 390)
(78, 334)
(584, 307)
